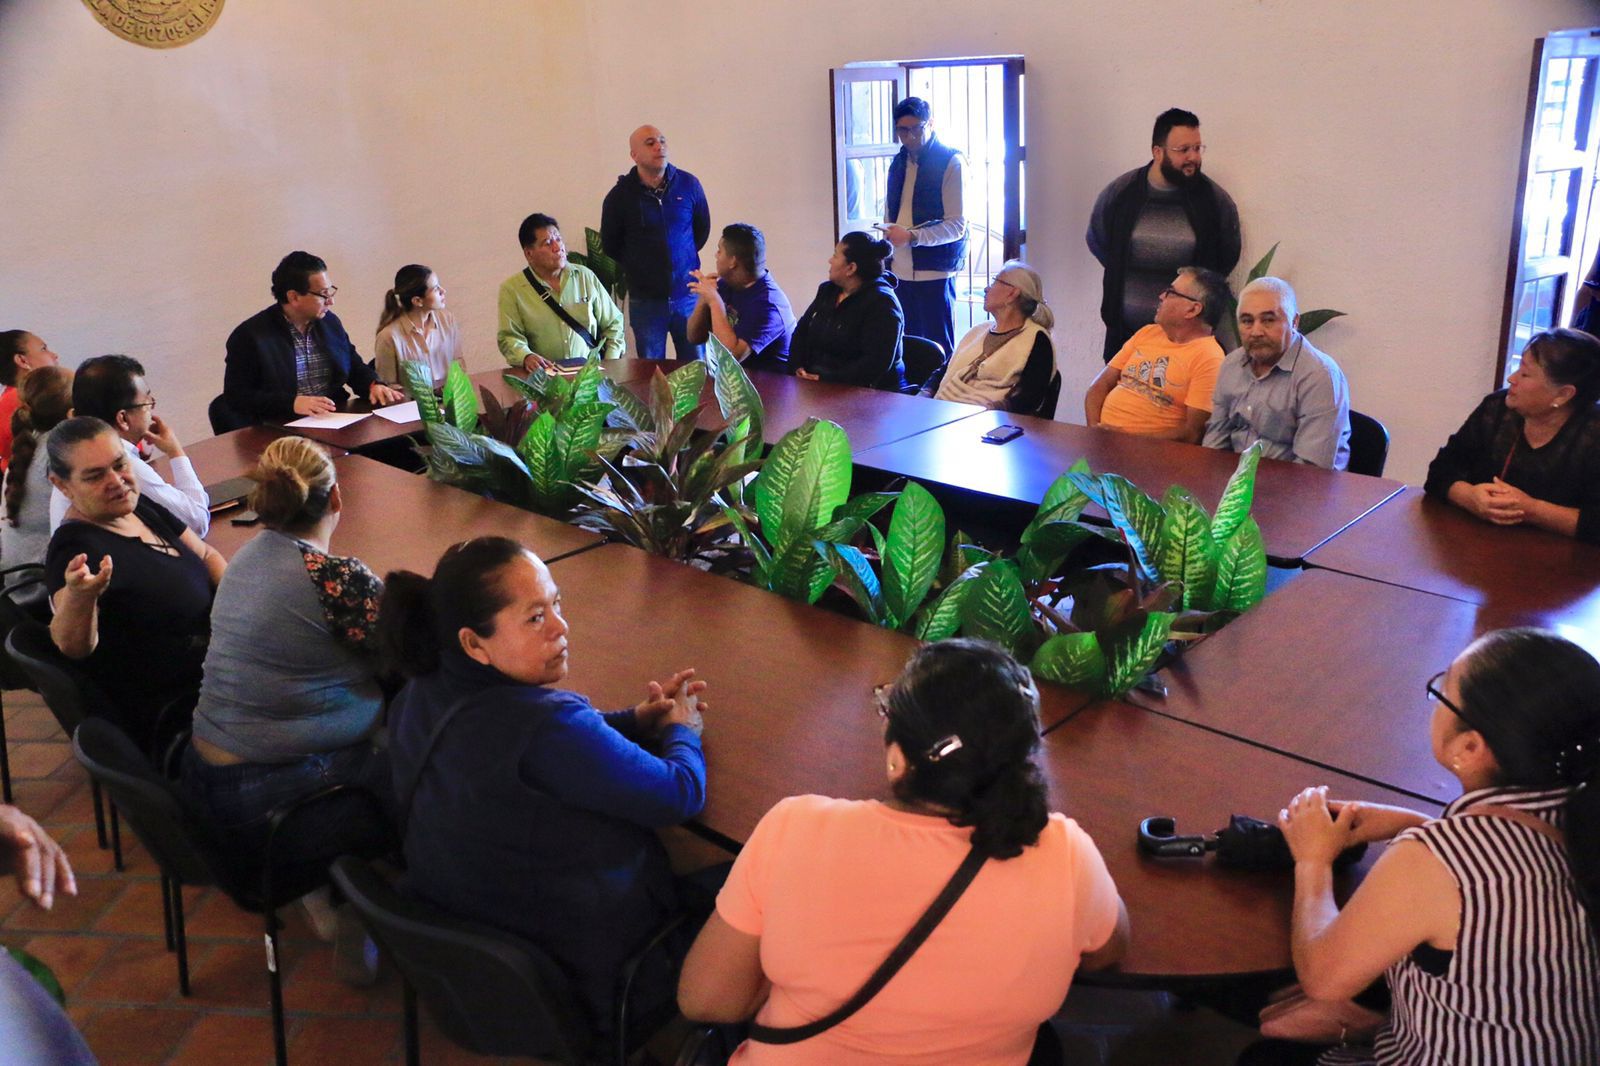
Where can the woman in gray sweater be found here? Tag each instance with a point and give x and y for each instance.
(291, 701)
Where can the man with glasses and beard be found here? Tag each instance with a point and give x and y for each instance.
(1155, 219)
(295, 358)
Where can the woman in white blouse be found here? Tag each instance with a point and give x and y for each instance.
(416, 325)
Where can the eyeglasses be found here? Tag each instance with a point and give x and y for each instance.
(150, 403)
(906, 131)
(326, 294)
(1170, 291)
(1198, 149)
(880, 699)
(1435, 693)
(939, 749)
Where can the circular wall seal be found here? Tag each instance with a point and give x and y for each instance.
(156, 23)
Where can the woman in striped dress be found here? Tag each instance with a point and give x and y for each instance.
(1486, 920)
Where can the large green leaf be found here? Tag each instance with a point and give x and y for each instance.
(997, 608)
(799, 572)
(1186, 553)
(687, 382)
(1241, 570)
(525, 386)
(772, 484)
(912, 551)
(628, 412)
(1063, 501)
(1072, 659)
(820, 486)
(417, 377)
(852, 515)
(1311, 321)
(537, 450)
(1132, 657)
(942, 618)
(1136, 516)
(737, 397)
(1045, 547)
(461, 398)
(577, 436)
(1234, 506)
(1263, 265)
(758, 550)
(586, 385)
(856, 575)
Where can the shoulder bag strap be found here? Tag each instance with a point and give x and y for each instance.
(889, 967)
(1521, 817)
(409, 793)
(555, 305)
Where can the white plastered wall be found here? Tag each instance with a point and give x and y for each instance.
(146, 195)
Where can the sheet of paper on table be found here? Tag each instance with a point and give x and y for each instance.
(400, 412)
(329, 421)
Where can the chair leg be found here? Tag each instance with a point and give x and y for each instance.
(99, 815)
(5, 756)
(280, 1043)
(116, 839)
(413, 1044)
(166, 913)
(179, 934)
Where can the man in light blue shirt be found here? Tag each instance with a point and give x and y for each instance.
(1277, 388)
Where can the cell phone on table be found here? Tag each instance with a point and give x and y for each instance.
(1001, 434)
(245, 518)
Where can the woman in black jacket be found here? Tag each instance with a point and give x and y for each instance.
(1530, 454)
(851, 332)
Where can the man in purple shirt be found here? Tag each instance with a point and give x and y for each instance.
(740, 304)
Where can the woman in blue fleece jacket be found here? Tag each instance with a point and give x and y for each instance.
(529, 810)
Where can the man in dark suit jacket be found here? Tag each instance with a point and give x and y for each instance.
(295, 358)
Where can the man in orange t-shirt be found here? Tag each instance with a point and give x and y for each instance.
(1160, 383)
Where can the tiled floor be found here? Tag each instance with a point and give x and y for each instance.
(106, 948)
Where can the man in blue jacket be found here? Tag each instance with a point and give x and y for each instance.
(654, 222)
(295, 358)
(923, 213)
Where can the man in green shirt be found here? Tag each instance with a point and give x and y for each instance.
(532, 332)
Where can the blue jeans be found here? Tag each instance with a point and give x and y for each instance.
(930, 311)
(654, 319)
(240, 798)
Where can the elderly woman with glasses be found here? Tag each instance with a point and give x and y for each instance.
(1007, 365)
(1484, 920)
(826, 889)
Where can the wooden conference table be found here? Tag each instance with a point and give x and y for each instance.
(1297, 506)
(1522, 574)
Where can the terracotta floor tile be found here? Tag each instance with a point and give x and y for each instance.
(212, 914)
(41, 799)
(38, 758)
(438, 1050)
(32, 723)
(83, 851)
(226, 1040)
(346, 1041)
(229, 975)
(136, 971)
(72, 913)
(313, 987)
(133, 1036)
(70, 956)
(136, 911)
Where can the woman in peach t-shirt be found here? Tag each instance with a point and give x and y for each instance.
(825, 889)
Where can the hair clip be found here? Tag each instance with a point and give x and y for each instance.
(944, 748)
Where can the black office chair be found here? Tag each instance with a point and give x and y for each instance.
(922, 357)
(223, 417)
(12, 612)
(1047, 403)
(1369, 445)
(189, 850)
(72, 698)
(490, 992)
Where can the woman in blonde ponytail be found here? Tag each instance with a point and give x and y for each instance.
(416, 325)
(291, 702)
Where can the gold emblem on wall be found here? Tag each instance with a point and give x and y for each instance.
(156, 23)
